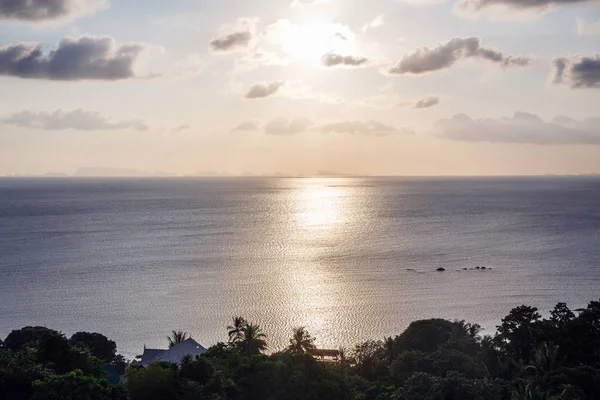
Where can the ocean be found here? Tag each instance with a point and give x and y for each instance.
(349, 258)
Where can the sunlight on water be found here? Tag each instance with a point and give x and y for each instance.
(350, 259)
(320, 210)
(321, 206)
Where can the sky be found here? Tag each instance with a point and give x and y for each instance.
(300, 87)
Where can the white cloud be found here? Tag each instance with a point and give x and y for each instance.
(377, 22)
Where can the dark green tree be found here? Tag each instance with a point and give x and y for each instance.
(100, 345)
(76, 386)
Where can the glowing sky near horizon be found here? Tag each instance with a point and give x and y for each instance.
(383, 87)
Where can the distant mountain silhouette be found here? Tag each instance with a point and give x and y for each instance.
(100, 172)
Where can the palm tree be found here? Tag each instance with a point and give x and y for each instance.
(545, 359)
(253, 340)
(177, 337)
(301, 341)
(235, 331)
(462, 329)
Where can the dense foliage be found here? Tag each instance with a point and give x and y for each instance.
(557, 358)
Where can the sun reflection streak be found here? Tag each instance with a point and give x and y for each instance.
(322, 208)
(320, 205)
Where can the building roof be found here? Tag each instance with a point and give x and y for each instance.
(174, 354)
(324, 353)
(151, 355)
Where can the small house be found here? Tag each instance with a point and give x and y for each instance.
(174, 354)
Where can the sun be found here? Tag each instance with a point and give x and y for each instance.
(309, 42)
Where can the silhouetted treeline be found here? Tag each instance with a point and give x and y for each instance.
(528, 358)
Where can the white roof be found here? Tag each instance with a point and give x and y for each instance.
(174, 354)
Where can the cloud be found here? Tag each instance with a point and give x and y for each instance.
(377, 22)
(284, 126)
(36, 11)
(334, 60)
(585, 28)
(472, 6)
(231, 41)
(262, 90)
(428, 102)
(181, 128)
(296, 90)
(77, 119)
(444, 56)
(365, 128)
(239, 36)
(246, 126)
(521, 128)
(303, 4)
(577, 72)
(85, 57)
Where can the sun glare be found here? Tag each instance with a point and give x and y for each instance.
(309, 42)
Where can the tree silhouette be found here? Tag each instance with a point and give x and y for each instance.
(177, 337)
(235, 331)
(253, 340)
(301, 341)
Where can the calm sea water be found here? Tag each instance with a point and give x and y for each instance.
(350, 259)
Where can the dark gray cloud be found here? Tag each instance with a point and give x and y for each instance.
(334, 60)
(246, 126)
(478, 5)
(577, 72)
(427, 102)
(284, 126)
(232, 41)
(86, 57)
(366, 128)
(426, 60)
(77, 119)
(521, 128)
(47, 10)
(262, 90)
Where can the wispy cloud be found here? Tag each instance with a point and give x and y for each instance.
(246, 126)
(521, 128)
(287, 127)
(363, 128)
(334, 60)
(76, 119)
(377, 22)
(444, 56)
